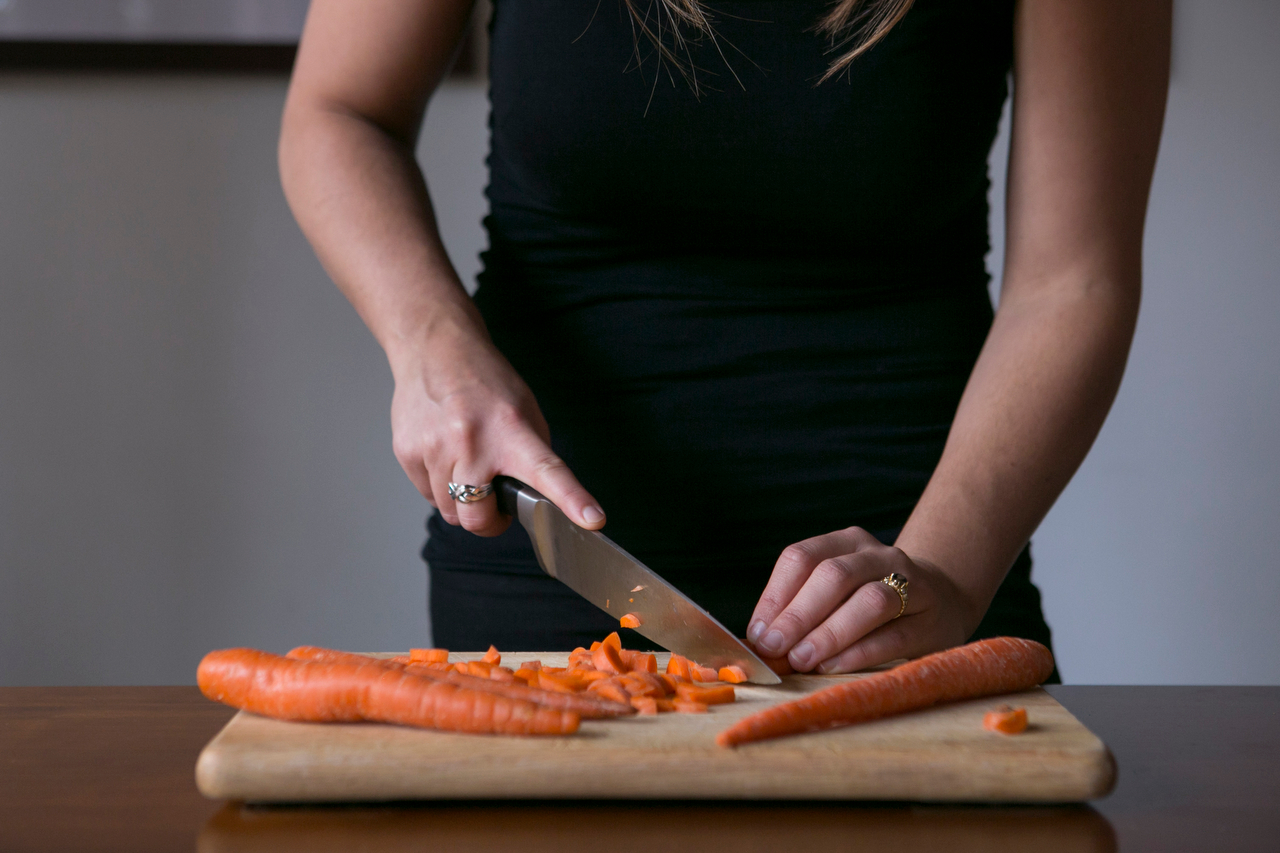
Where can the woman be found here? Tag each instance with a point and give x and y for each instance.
(736, 293)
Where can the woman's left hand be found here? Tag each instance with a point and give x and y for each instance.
(825, 607)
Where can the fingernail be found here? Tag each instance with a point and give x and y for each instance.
(772, 643)
(801, 655)
(756, 629)
(592, 514)
(824, 667)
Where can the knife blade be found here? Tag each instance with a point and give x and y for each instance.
(596, 568)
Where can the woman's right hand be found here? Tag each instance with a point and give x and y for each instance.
(461, 414)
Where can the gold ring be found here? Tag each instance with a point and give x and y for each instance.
(898, 584)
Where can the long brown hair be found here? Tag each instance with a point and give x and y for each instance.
(852, 26)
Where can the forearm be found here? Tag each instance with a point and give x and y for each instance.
(1037, 397)
(361, 200)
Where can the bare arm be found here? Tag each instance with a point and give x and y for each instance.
(1090, 84)
(360, 87)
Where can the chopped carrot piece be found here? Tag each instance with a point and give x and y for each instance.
(1006, 720)
(607, 659)
(561, 682)
(429, 655)
(479, 667)
(707, 695)
(630, 620)
(668, 683)
(665, 705)
(529, 676)
(610, 688)
(679, 667)
(400, 659)
(644, 704)
(698, 672)
(644, 662)
(589, 675)
(531, 664)
(595, 644)
(502, 673)
(684, 706)
(492, 656)
(613, 640)
(554, 669)
(643, 684)
(733, 674)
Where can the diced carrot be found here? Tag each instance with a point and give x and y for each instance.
(429, 655)
(698, 672)
(478, 667)
(668, 683)
(613, 640)
(531, 664)
(643, 684)
(679, 667)
(606, 658)
(529, 676)
(502, 673)
(644, 704)
(644, 662)
(612, 689)
(1006, 720)
(707, 695)
(630, 620)
(665, 705)
(733, 674)
(492, 656)
(595, 644)
(561, 682)
(589, 675)
(684, 706)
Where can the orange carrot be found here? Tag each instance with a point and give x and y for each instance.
(630, 620)
(613, 640)
(607, 659)
(984, 668)
(698, 672)
(611, 689)
(643, 684)
(668, 683)
(665, 705)
(706, 694)
(1006, 720)
(586, 707)
(429, 655)
(502, 673)
(493, 656)
(595, 644)
(643, 662)
(678, 666)
(733, 674)
(347, 691)
(685, 706)
(644, 704)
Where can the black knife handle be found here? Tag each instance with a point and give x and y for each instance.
(507, 490)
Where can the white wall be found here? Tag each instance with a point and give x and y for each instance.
(194, 449)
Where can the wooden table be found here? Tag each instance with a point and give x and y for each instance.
(110, 768)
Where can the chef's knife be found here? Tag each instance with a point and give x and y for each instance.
(591, 565)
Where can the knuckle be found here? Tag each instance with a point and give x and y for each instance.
(795, 556)
(834, 571)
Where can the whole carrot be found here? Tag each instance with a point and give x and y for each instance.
(353, 691)
(584, 706)
(984, 668)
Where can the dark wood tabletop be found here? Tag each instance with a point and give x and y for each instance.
(111, 768)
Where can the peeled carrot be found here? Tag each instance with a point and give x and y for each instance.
(429, 655)
(584, 706)
(1006, 720)
(733, 674)
(493, 656)
(630, 620)
(347, 691)
(984, 668)
(706, 694)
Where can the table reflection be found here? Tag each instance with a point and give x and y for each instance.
(622, 828)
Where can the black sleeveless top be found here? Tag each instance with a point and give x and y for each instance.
(748, 305)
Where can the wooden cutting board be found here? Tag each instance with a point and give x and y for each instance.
(940, 754)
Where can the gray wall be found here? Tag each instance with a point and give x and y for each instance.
(194, 449)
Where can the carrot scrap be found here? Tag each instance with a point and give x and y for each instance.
(733, 674)
(492, 656)
(1006, 720)
(630, 620)
(429, 655)
(685, 706)
(370, 690)
(706, 694)
(985, 668)
(607, 659)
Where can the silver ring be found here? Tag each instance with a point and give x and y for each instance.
(465, 494)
